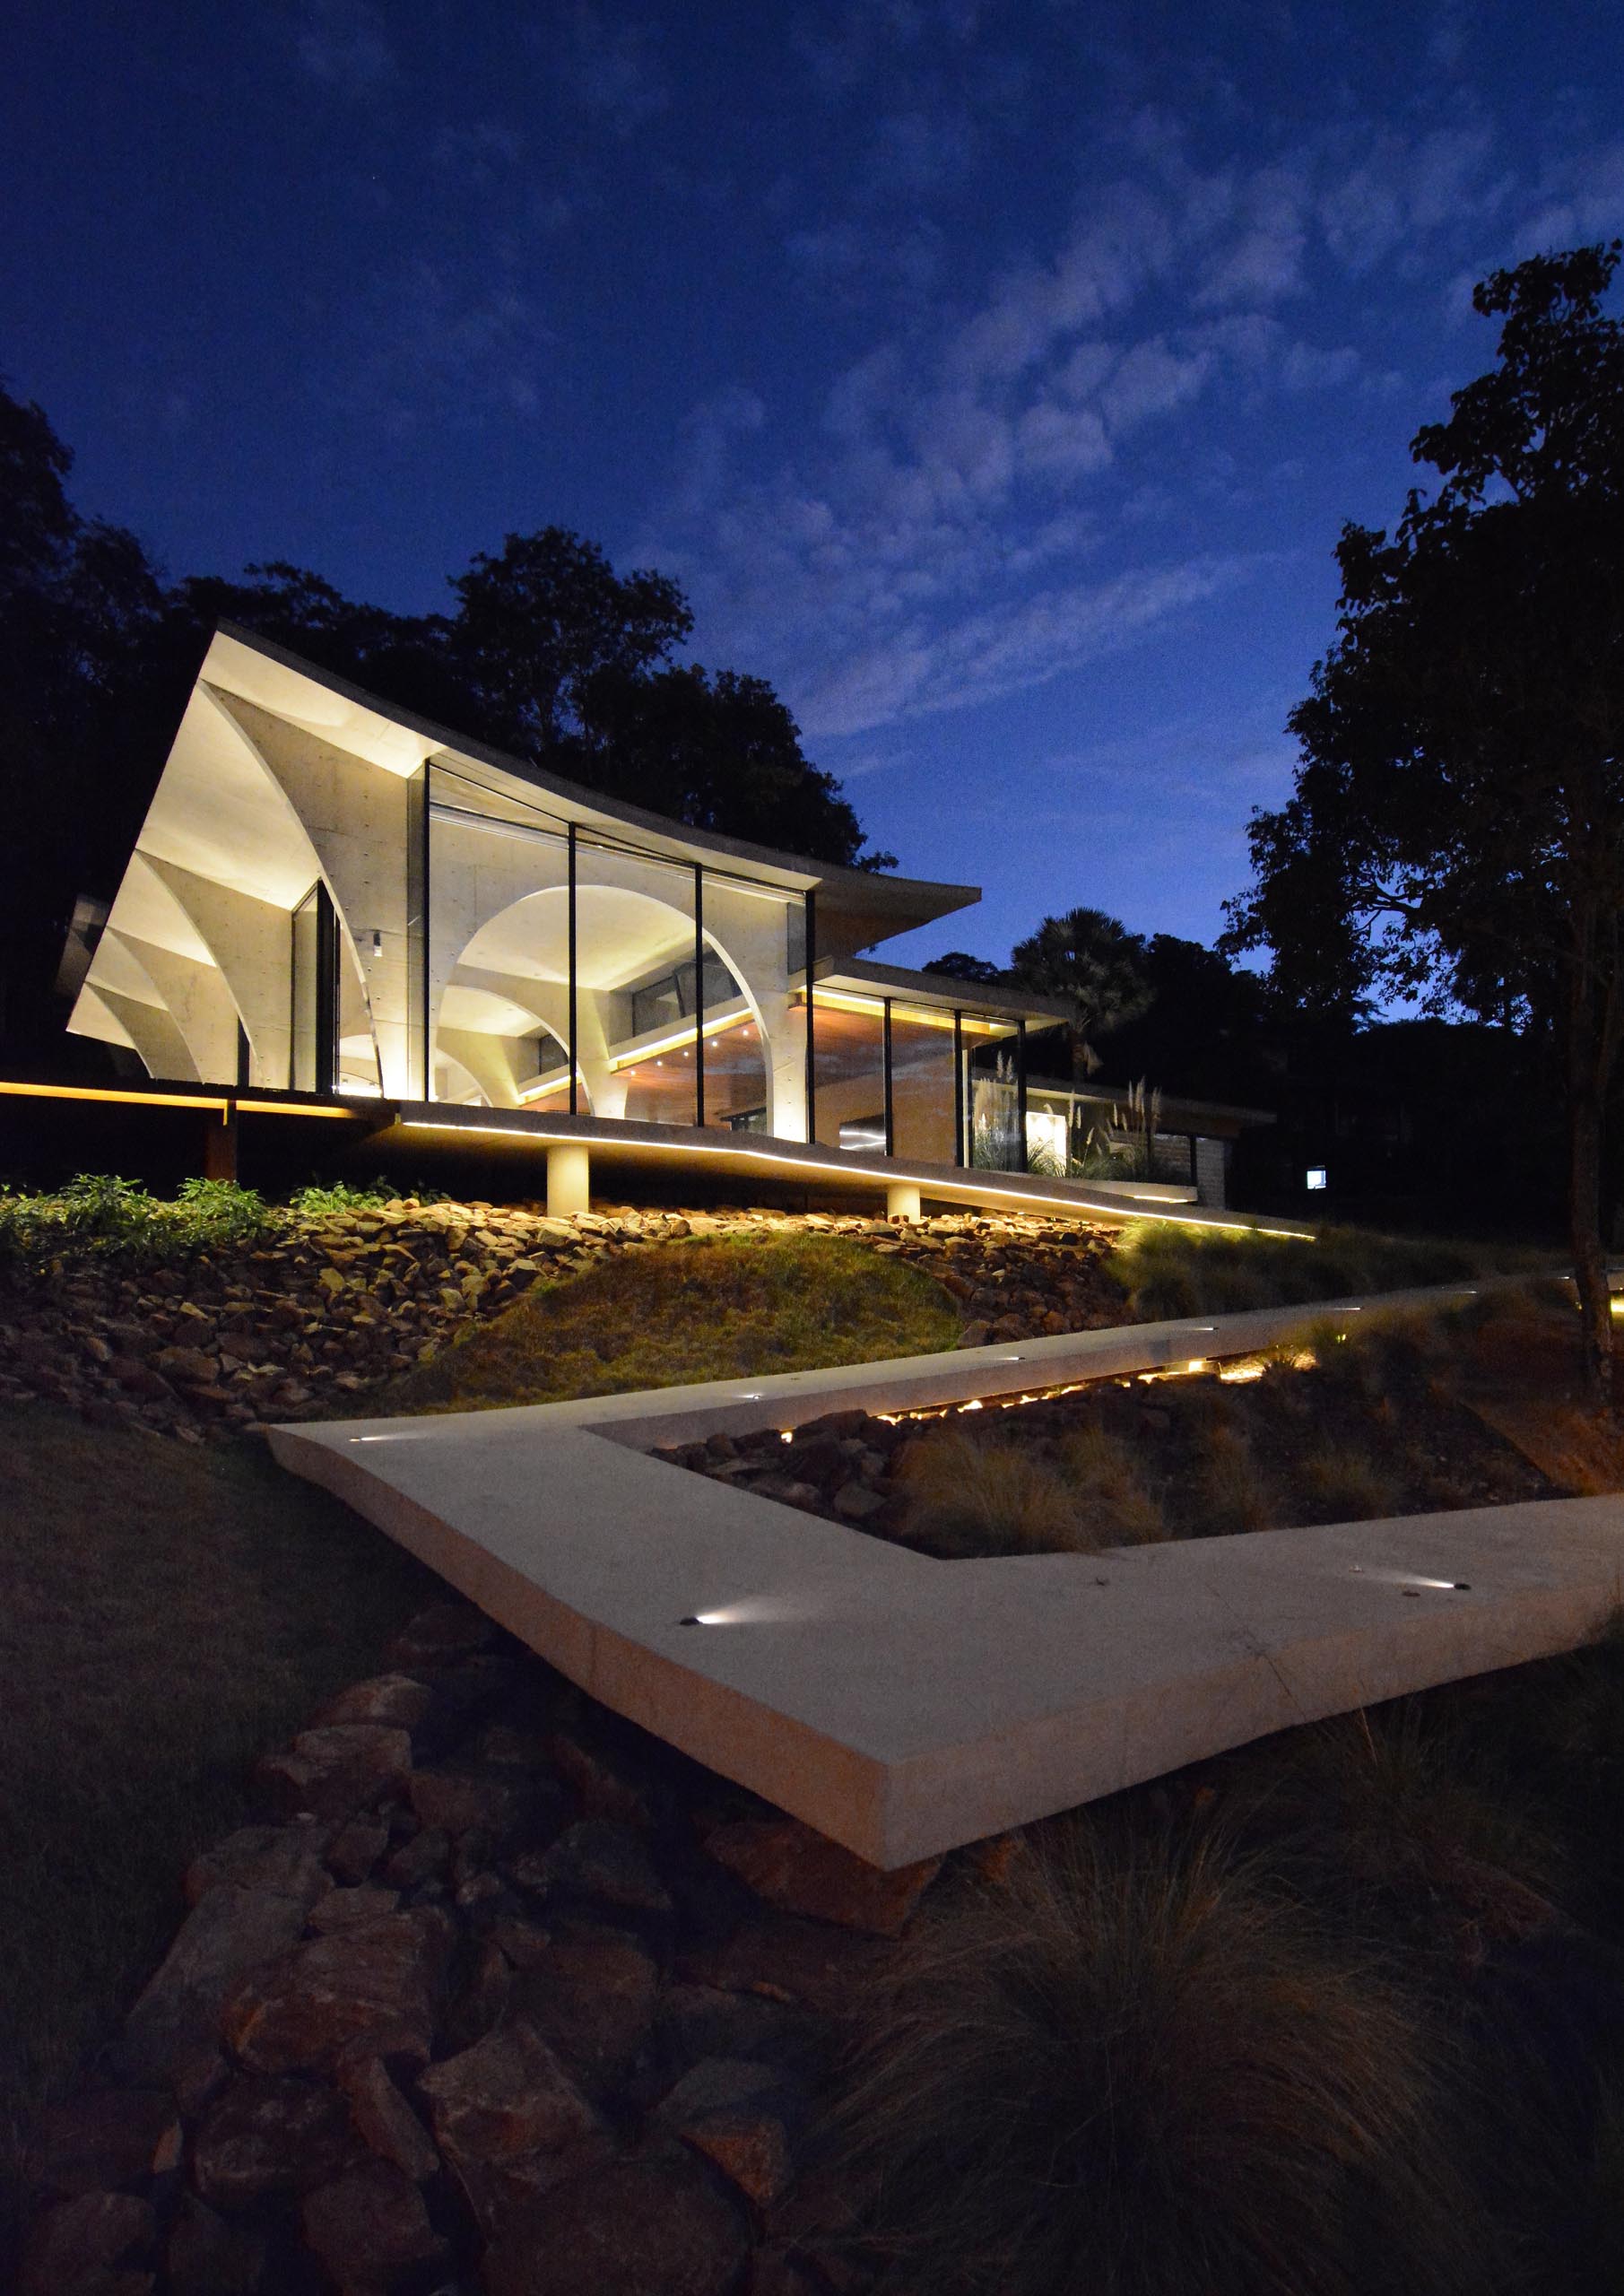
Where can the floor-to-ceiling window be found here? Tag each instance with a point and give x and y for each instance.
(314, 1012)
(996, 1095)
(923, 1100)
(849, 1071)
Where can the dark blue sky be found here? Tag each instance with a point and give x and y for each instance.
(994, 378)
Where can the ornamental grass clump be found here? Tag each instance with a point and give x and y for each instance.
(1141, 2070)
(1229, 1493)
(1398, 1821)
(1347, 1483)
(1115, 1504)
(970, 1498)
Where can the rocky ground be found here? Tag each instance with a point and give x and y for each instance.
(324, 1309)
(501, 1997)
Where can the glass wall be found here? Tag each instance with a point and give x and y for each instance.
(848, 1073)
(922, 1103)
(357, 1045)
(993, 1059)
(736, 1073)
(315, 996)
(636, 956)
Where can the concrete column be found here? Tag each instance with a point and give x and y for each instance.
(902, 1200)
(784, 1027)
(568, 1179)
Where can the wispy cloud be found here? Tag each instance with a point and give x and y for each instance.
(608, 64)
(345, 45)
(969, 518)
(433, 345)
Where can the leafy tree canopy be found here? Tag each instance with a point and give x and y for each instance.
(1455, 832)
(1091, 959)
(958, 964)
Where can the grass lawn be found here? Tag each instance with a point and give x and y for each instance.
(166, 1614)
(688, 1312)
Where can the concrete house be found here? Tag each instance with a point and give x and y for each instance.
(329, 897)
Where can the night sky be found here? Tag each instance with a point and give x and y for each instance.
(994, 378)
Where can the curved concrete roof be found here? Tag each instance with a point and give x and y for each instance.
(239, 662)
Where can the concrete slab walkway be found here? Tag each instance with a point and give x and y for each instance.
(904, 1705)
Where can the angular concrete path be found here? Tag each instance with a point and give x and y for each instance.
(904, 1705)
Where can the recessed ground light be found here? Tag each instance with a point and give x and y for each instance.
(704, 1618)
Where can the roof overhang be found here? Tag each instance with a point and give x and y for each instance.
(397, 741)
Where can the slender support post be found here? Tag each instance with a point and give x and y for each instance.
(811, 1066)
(568, 1179)
(327, 992)
(1020, 1095)
(891, 1112)
(419, 1062)
(574, 1054)
(959, 1158)
(902, 1200)
(699, 994)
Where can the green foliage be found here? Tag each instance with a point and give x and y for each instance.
(1137, 2068)
(320, 1197)
(99, 1215)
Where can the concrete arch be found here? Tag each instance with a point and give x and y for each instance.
(319, 842)
(622, 931)
(250, 941)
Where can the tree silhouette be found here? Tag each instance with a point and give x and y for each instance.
(1455, 832)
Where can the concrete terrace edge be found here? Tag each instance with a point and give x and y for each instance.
(904, 1706)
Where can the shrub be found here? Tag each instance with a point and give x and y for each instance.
(97, 1215)
(970, 1497)
(1144, 2072)
(320, 1197)
(218, 1213)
